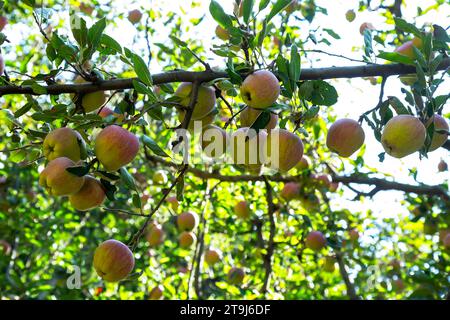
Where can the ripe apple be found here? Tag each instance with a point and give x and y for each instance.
(205, 102)
(290, 191)
(6, 247)
(403, 135)
(398, 285)
(86, 8)
(90, 196)
(134, 16)
(315, 241)
(345, 137)
(235, 276)
(247, 148)
(438, 138)
(364, 26)
(446, 241)
(322, 180)
(113, 260)
(115, 147)
(354, 235)
(160, 177)
(187, 221)
(350, 15)
(2, 65)
(155, 235)
(57, 180)
(242, 210)
(186, 239)
(284, 150)
(156, 293)
(173, 201)
(334, 186)
(222, 33)
(442, 166)
(249, 115)
(3, 22)
(407, 50)
(214, 141)
(91, 101)
(443, 233)
(63, 142)
(260, 89)
(395, 264)
(106, 112)
(329, 264)
(212, 256)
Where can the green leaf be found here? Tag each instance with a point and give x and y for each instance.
(247, 9)
(79, 30)
(143, 89)
(110, 189)
(397, 105)
(277, 7)
(262, 121)
(150, 143)
(332, 33)
(263, 4)
(127, 178)
(219, 14)
(137, 203)
(142, 70)
(407, 27)
(23, 110)
(110, 43)
(94, 36)
(79, 171)
(324, 94)
(395, 57)
(294, 64)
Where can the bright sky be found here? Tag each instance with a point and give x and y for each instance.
(355, 96)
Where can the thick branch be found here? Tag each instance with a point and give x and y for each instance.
(209, 75)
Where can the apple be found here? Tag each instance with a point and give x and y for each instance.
(134, 16)
(212, 256)
(3, 22)
(395, 264)
(173, 201)
(222, 33)
(57, 180)
(187, 221)
(350, 15)
(106, 112)
(156, 293)
(90, 196)
(247, 148)
(155, 235)
(290, 191)
(206, 99)
(86, 8)
(249, 115)
(446, 241)
(329, 264)
(6, 247)
(407, 50)
(403, 135)
(284, 150)
(186, 239)
(235, 276)
(315, 241)
(334, 186)
(310, 201)
(91, 101)
(260, 89)
(364, 26)
(113, 260)
(242, 210)
(354, 235)
(345, 137)
(160, 177)
(443, 233)
(322, 180)
(115, 147)
(442, 166)
(214, 141)
(63, 142)
(438, 138)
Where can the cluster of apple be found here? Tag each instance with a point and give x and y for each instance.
(64, 148)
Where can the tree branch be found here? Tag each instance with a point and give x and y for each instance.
(272, 230)
(350, 287)
(384, 70)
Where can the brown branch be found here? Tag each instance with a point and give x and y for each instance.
(209, 75)
(350, 287)
(271, 244)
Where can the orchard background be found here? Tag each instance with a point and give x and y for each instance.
(385, 224)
